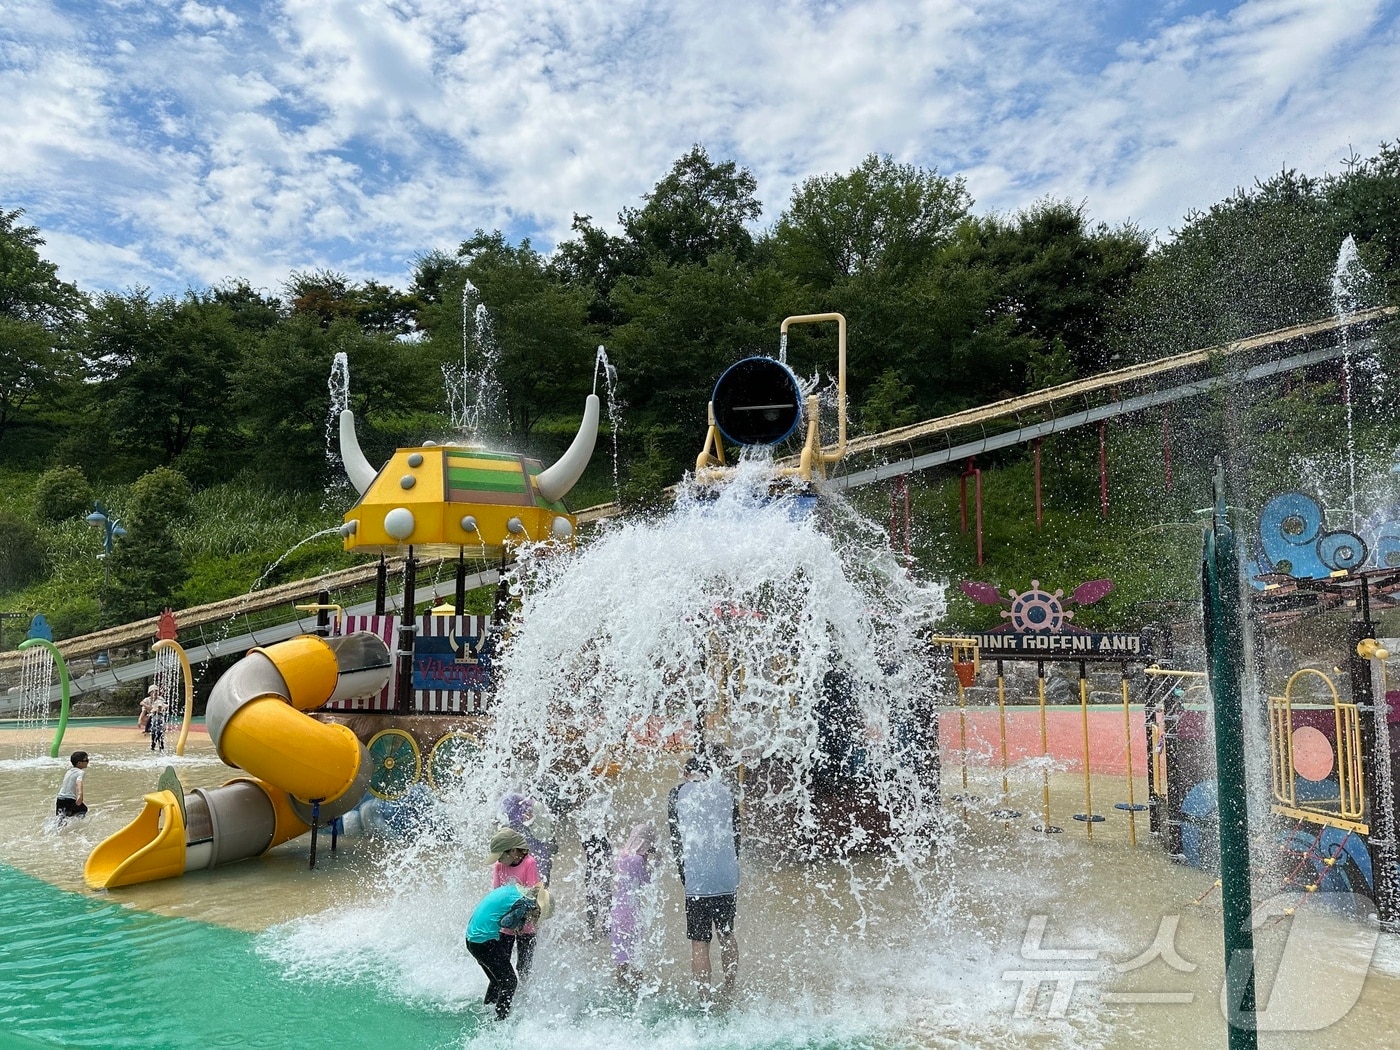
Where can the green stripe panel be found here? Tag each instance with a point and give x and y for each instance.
(490, 480)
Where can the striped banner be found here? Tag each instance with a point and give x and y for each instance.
(451, 664)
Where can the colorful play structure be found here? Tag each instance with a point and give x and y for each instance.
(1331, 752)
(305, 772)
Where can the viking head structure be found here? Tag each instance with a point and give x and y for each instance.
(441, 499)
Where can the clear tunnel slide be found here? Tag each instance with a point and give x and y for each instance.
(257, 722)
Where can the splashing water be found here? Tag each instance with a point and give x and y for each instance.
(601, 365)
(475, 398)
(36, 685)
(287, 554)
(788, 644)
(1351, 283)
(338, 385)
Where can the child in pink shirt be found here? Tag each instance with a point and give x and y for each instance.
(515, 865)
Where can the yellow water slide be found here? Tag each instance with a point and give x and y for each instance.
(300, 770)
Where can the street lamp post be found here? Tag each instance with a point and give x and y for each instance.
(111, 530)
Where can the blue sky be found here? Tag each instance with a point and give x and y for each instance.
(173, 144)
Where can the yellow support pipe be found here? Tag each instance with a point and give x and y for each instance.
(1047, 828)
(1128, 752)
(821, 458)
(1088, 816)
(188, 674)
(1001, 712)
(962, 737)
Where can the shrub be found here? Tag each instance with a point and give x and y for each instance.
(62, 493)
(22, 554)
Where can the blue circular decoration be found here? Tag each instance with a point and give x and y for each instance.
(1342, 550)
(1289, 527)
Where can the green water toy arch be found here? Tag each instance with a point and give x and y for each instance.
(63, 683)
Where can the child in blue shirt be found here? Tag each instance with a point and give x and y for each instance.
(505, 909)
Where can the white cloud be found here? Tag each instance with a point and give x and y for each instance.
(180, 144)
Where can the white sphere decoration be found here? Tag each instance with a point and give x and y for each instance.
(415, 459)
(407, 481)
(561, 528)
(399, 523)
(350, 527)
(468, 522)
(429, 444)
(515, 525)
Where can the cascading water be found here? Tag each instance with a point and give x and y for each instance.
(789, 644)
(475, 398)
(36, 685)
(338, 386)
(602, 366)
(1351, 292)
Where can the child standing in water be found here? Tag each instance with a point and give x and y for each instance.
(505, 908)
(513, 866)
(628, 926)
(70, 792)
(157, 721)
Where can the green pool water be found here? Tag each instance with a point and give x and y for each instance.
(79, 971)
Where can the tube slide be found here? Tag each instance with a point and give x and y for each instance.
(298, 766)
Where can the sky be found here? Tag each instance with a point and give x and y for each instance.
(173, 144)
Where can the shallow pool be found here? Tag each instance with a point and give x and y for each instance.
(1021, 940)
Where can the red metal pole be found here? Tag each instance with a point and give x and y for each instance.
(976, 475)
(1103, 467)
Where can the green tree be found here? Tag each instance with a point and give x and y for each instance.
(881, 217)
(36, 310)
(541, 326)
(166, 368)
(62, 493)
(22, 555)
(145, 570)
(698, 209)
(1258, 261)
(1058, 278)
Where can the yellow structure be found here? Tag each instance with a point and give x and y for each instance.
(446, 499)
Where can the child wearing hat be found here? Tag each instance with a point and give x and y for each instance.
(512, 864)
(506, 908)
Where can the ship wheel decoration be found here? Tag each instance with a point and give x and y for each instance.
(1036, 610)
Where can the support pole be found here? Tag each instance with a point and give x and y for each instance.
(1132, 807)
(460, 599)
(315, 826)
(408, 630)
(1045, 826)
(1224, 633)
(1379, 780)
(962, 739)
(381, 586)
(1006, 812)
(1089, 817)
(972, 471)
(323, 613)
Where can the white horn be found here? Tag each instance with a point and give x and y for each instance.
(555, 482)
(357, 468)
